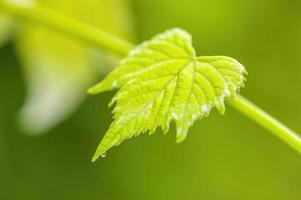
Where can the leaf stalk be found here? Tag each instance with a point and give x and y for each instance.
(265, 120)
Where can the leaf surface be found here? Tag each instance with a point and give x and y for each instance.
(162, 80)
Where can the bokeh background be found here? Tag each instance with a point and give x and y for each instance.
(224, 157)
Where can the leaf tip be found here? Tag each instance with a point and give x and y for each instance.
(96, 89)
(181, 135)
(94, 158)
(97, 155)
(180, 140)
(91, 91)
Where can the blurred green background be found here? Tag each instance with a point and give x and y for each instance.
(224, 157)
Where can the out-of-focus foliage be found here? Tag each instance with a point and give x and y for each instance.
(5, 29)
(58, 69)
(163, 80)
(223, 158)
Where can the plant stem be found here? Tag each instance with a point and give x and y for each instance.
(86, 33)
(56, 21)
(258, 115)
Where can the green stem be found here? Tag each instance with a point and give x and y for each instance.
(86, 33)
(56, 21)
(258, 115)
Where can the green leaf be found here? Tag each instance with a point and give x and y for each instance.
(162, 80)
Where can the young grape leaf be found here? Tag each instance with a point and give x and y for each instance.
(162, 80)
